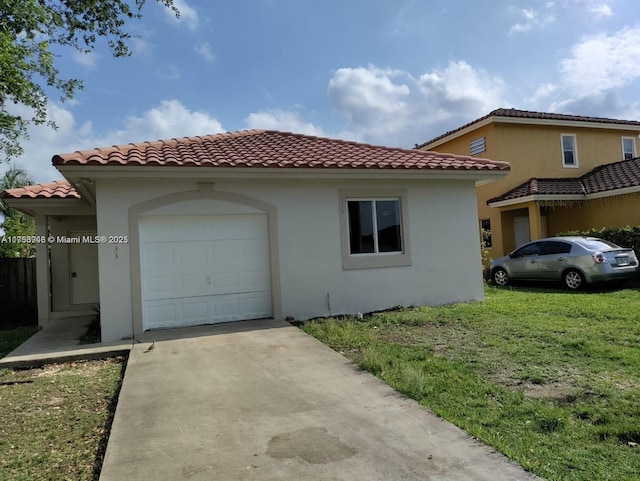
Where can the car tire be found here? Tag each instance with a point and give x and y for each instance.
(573, 279)
(500, 277)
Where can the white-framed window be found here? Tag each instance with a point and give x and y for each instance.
(628, 148)
(374, 229)
(569, 150)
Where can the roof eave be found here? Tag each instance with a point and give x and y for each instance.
(75, 172)
(50, 206)
(563, 197)
(526, 121)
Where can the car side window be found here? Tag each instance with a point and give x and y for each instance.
(555, 248)
(528, 250)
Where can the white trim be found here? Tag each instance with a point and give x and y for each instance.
(633, 143)
(576, 162)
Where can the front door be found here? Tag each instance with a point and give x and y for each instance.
(84, 270)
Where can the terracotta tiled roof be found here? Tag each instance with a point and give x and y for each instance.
(59, 189)
(272, 149)
(618, 175)
(526, 114)
(615, 176)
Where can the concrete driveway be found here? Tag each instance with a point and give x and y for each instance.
(261, 400)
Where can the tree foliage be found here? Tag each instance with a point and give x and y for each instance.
(15, 223)
(29, 29)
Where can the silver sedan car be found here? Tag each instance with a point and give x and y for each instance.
(575, 261)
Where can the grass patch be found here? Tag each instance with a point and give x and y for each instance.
(12, 338)
(549, 378)
(55, 420)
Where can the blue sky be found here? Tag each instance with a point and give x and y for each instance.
(388, 72)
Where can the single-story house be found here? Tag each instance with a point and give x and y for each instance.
(253, 224)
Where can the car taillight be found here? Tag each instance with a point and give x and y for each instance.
(599, 258)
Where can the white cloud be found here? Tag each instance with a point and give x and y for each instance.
(601, 62)
(604, 105)
(188, 15)
(86, 59)
(597, 9)
(282, 120)
(392, 107)
(206, 51)
(170, 119)
(542, 92)
(531, 19)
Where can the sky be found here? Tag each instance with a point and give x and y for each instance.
(386, 72)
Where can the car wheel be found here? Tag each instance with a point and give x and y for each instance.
(500, 277)
(573, 279)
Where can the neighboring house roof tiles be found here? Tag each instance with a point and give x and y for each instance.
(272, 149)
(59, 189)
(529, 115)
(615, 176)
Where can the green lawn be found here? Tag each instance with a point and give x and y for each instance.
(55, 420)
(547, 377)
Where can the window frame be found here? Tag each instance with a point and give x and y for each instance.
(486, 240)
(633, 147)
(374, 259)
(575, 151)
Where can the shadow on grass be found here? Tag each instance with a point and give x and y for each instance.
(556, 287)
(111, 412)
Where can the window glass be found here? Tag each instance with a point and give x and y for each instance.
(529, 250)
(628, 148)
(568, 150)
(361, 227)
(485, 231)
(596, 245)
(374, 226)
(388, 220)
(556, 247)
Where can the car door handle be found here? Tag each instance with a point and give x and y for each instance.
(533, 261)
(560, 258)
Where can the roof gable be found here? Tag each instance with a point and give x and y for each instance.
(267, 149)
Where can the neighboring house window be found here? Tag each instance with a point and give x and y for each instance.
(478, 146)
(569, 150)
(628, 148)
(374, 230)
(485, 232)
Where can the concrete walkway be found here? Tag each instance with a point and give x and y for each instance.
(261, 400)
(57, 341)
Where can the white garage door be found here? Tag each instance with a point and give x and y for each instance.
(204, 269)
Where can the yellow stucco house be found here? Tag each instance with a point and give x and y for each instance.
(568, 172)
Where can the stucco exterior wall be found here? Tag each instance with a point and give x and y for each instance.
(618, 211)
(445, 265)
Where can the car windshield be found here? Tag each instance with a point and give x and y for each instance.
(596, 244)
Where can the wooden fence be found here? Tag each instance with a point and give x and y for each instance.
(18, 300)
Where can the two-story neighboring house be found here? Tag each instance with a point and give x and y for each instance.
(568, 172)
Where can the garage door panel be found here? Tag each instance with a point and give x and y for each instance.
(192, 285)
(160, 287)
(204, 269)
(191, 252)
